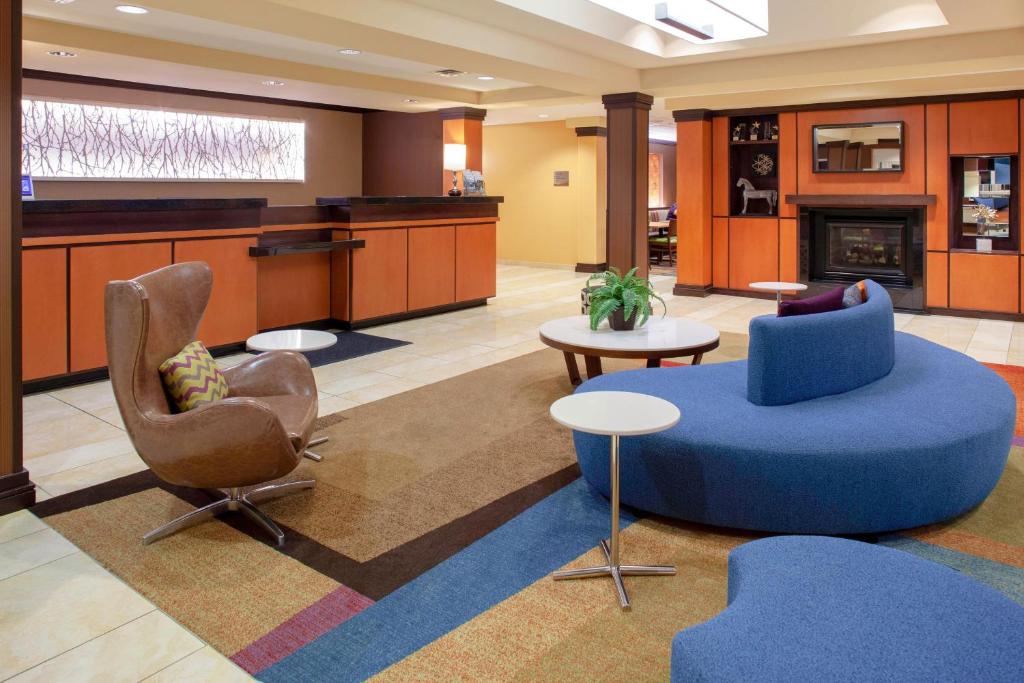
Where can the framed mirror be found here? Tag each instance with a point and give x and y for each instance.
(858, 147)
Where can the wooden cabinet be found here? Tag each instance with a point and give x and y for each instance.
(476, 261)
(720, 252)
(91, 269)
(753, 251)
(984, 282)
(293, 289)
(986, 127)
(341, 264)
(937, 277)
(231, 314)
(431, 267)
(44, 313)
(789, 250)
(380, 273)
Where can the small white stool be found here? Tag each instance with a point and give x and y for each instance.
(615, 414)
(778, 288)
(294, 340)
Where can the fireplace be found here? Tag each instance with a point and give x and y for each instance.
(846, 244)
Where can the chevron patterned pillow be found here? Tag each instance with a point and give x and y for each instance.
(192, 377)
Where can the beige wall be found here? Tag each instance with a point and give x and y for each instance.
(542, 223)
(333, 149)
(667, 150)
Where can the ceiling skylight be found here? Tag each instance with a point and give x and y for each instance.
(698, 21)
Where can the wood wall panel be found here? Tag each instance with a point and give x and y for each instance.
(937, 223)
(341, 264)
(720, 161)
(986, 127)
(44, 313)
(402, 153)
(431, 267)
(753, 251)
(693, 173)
(476, 261)
(293, 289)
(720, 251)
(786, 163)
(984, 282)
(909, 181)
(468, 132)
(91, 269)
(936, 293)
(231, 314)
(380, 273)
(789, 250)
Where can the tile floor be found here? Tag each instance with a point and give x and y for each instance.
(63, 615)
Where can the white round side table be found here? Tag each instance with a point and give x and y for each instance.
(295, 340)
(778, 288)
(615, 414)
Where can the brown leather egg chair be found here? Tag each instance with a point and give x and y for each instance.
(256, 435)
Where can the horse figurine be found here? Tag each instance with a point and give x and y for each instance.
(750, 193)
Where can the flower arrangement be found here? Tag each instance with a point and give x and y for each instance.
(983, 212)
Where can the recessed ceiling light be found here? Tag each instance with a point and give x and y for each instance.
(485, 78)
(132, 9)
(409, 100)
(273, 83)
(349, 51)
(61, 53)
(62, 2)
(542, 116)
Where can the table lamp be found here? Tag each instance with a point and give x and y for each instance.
(454, 161)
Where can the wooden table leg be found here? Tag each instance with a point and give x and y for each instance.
(654, 362)
(593, 366)
(696, 359)
(573, 368)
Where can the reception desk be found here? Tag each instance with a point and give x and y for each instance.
(346, 261)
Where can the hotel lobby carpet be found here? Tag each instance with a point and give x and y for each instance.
(424, 551)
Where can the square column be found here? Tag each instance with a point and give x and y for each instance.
(628, 119)
(693, 195)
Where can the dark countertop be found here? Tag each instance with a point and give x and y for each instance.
(42, 206)
(439, 199)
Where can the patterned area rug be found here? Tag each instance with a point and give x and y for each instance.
(424, 551)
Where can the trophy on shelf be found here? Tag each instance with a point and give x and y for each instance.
(737, 132)
(775, 131)
(755, 128)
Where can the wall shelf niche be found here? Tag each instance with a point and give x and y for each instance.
(754, 158)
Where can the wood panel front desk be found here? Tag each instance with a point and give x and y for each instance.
(347, 261)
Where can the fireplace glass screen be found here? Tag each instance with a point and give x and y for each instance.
(865, 249)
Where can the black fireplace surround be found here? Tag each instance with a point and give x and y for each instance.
(845, 245)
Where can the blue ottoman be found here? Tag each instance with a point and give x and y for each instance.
(809, 608)
(835, 425)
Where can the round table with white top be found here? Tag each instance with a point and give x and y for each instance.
(778, 288)
(660, 338)
(295, 340)
(615, 414)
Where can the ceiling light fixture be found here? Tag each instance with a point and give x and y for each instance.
(543, 116)
(131, 9)
(273, 83)
(706, 20)
(62, 2)
(349, 51)
(449, 73)
(409, 100)
(62, 53)
(485, 78)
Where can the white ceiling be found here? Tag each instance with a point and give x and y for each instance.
(546, 57)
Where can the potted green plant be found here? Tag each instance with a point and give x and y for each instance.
(621, 299)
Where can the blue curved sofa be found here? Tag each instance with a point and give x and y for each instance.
(809, 608)
(834, 425)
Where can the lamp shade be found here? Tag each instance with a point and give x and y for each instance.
(454, 157)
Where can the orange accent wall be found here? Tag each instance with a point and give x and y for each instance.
(44, 311)
(91, 269)
(937, 279)
(753, 251)
(231, 314)
(293, 289)
(986, 127)
(787, 163)
(431, 267)
(693, 192)
(720, 153)
(984, 282)
(937, 214)
(475, 261)
(380, 273)
(720, 250)
(468, 132)
(909, 181)
(789, 250)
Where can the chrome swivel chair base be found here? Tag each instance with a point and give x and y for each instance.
(616, 571)
(315, 457)
(235, 502)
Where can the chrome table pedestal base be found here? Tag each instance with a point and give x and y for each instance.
(235, 502)
(315, 457)
(611, 547)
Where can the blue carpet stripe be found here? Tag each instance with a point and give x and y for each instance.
(525, 549)
(1007, 579)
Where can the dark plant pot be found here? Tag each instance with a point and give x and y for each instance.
(617, 320)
